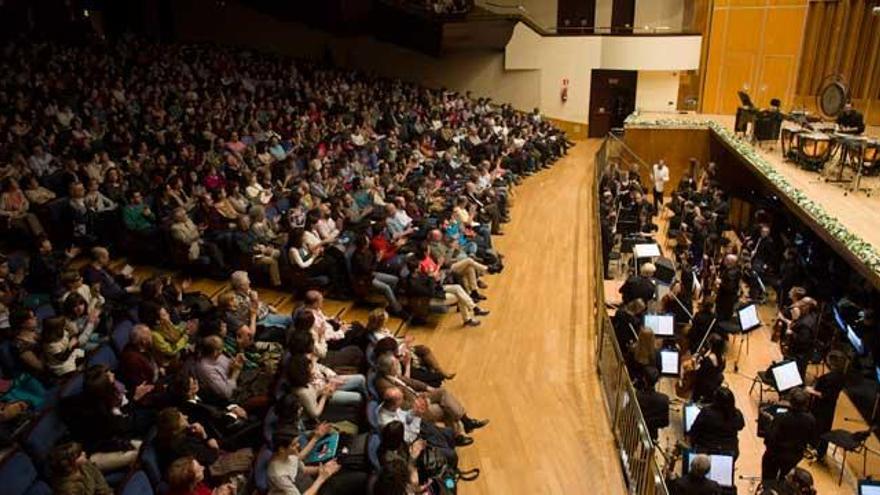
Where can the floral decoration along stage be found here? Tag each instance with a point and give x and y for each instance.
(861, 249)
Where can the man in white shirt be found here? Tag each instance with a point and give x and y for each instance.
(414, 428)
(660, 176)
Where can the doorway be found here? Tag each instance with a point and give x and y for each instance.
(612, 99)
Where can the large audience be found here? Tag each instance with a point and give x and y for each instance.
(252, 169)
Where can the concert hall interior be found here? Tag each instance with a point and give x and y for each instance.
(439, 247)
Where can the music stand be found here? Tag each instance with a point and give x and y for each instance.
(688, 415)
(722, 466)
(869, 487)
(748, 319)
(662, 325)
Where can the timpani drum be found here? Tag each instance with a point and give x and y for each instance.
(871, 156)
(788, 142)
(813, 149)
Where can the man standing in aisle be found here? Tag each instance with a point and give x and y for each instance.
(660, 176)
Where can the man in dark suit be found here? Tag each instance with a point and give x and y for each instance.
(787, 438)
(640, 286)
(654, 404)
(728, 290)
(696, 482)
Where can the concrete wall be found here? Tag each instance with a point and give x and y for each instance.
(544, 12)
(657, 91)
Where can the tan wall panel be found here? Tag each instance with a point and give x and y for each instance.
(744, 30)
(713, 61)
(738, 71)
(777, 74)
(677, 147)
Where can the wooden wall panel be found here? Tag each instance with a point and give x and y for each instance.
(754, 44)
(675, 146)
(842, 38)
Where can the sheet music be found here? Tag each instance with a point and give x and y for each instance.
(787, 376)
(748, 317)
(869, 490)
(661, 325)
(721, 470)
(669, 362)
(691, 411)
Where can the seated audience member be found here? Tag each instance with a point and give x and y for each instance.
(103, 402)
(288, 474)
(116, 288)
(72, 282)
(338, 334)
(186, 476)
(269, 321)
(177, 437)
(317, 387)
(71, 472)
(137, 364)
(198, 251)
(47, 266)
(254, 251)
(466, 270)
(421, 283)
(217, 373)
(346, 358)
(415, 428)
(420, 356)
(231, 424)
(258, 355)
(718, 424)
(137, 216)
(169, 340)
(27, 345)
(14, 207)
(393, 448)
(364, 267)
(82, 322)
(61, 351)
(442, 405)
(696, 482)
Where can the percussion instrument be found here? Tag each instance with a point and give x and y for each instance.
(813, 149)
(789, 135)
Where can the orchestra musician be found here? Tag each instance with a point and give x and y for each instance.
(790, 313)
(696, 482)
(850, 120)
(728, 283)
(801, 334)
(641, 286)
(710, 368)
(799, 481)
(654, 404)
(678, 302)
(626, 322)
(787, 437)
(718, 425)
(701, 323)
(825, 391)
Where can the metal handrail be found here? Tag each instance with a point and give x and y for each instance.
(642, 474)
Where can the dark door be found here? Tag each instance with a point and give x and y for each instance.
(575, 16)
(623, 15)
(612, 99)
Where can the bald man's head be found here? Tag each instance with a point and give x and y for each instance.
(393, 397)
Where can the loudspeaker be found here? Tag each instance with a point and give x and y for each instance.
(665, 270)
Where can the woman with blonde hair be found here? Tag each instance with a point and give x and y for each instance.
(186, 476)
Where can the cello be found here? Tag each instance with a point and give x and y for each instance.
(684, 387)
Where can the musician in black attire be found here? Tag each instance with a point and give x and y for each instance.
(851, 120)
(825, 392)
(789, 276)
(701, 324)
(802, 334)
(710, 369)
(788, 436)
(728, 290)
(654, 404)
(626, 322)
(799, 481)
(717, 425)
(607, 240)
(640, 286)
(696, 482)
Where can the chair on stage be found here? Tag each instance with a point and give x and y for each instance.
(764, 381)
(849, 441)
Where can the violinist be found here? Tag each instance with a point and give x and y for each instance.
(626, 322)
(701, 323)
(801, 334)
(678, 302)
(710, 369)
(825, 391)
(799, 481)
(790, 313)
(729, 280)
(718, 425)
(789, 275)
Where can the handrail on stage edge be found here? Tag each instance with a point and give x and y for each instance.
(641, 471)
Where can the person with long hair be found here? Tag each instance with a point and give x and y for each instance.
(717, 426)
(84, 321)
(420, 356)
(287, 472)
(315, 392)
(71, 473)
(710, 369)
(393, 448)
(186, 476)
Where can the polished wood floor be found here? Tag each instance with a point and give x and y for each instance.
(530, 367)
